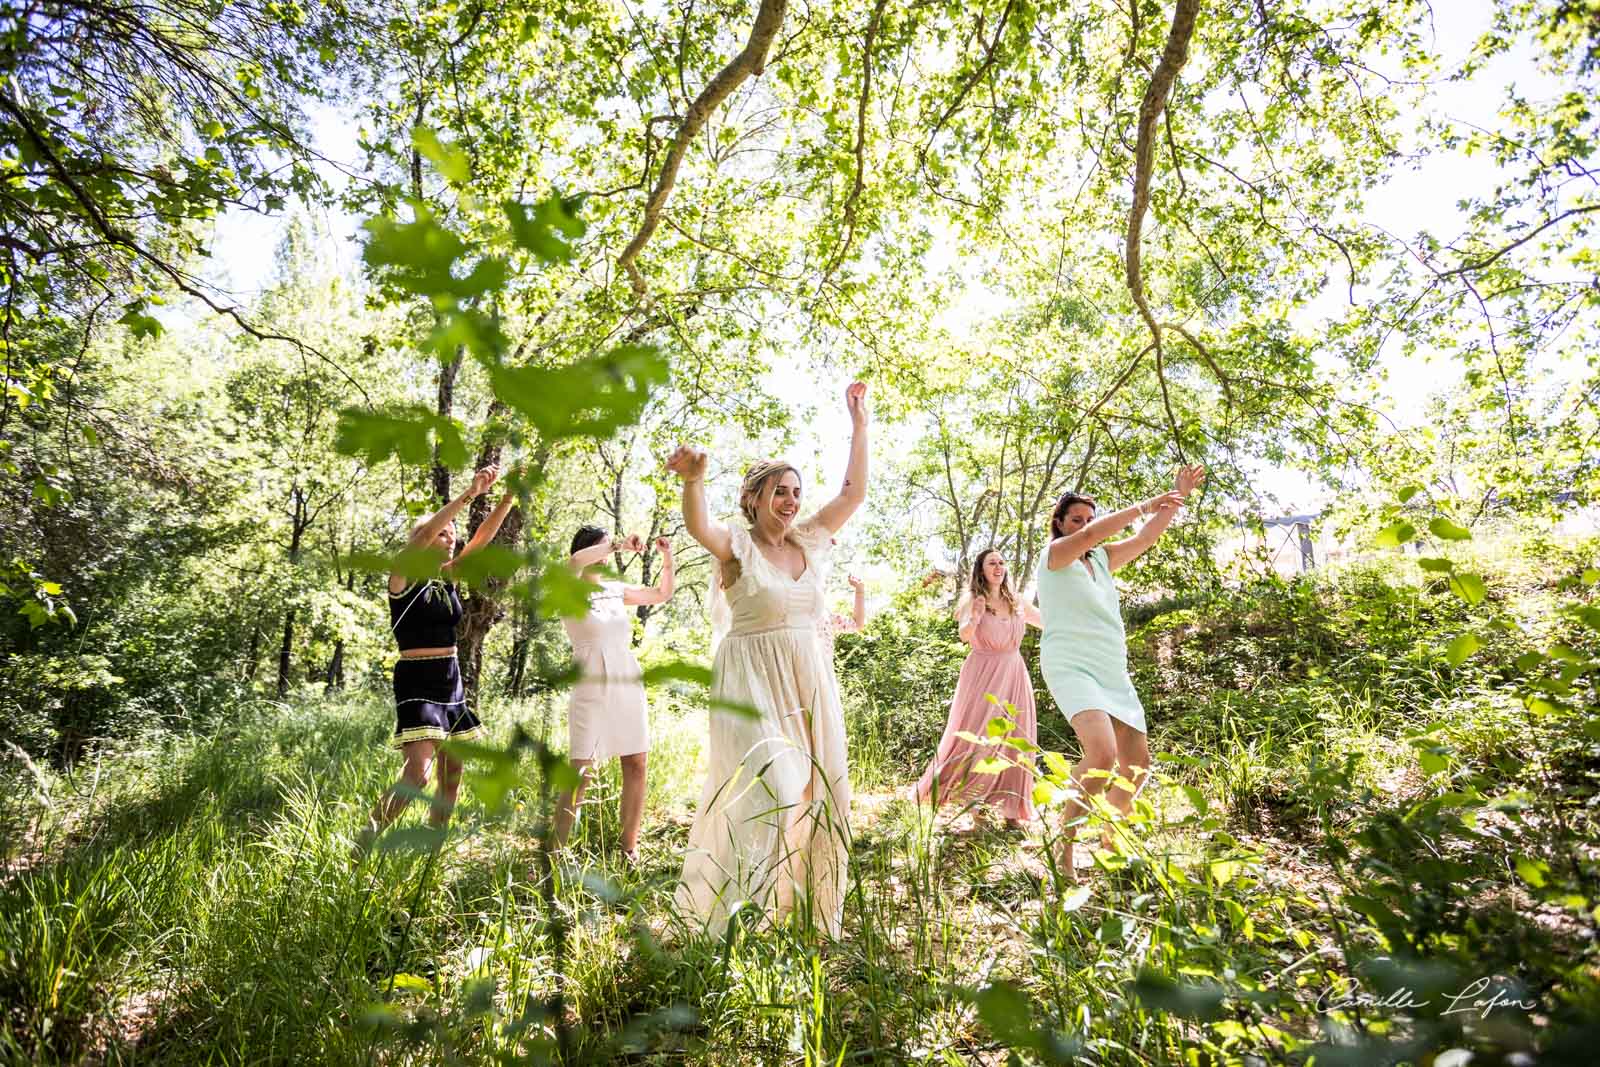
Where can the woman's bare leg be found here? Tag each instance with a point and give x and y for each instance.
(633, 782)
(1133, 764)
(567, 803)
(1099, 745)
(417, 760)
(449, 784)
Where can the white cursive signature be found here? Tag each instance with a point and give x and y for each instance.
(1497, 999)
(1469, 999)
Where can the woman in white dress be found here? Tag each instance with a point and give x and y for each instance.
(607, 714)
(773, 829)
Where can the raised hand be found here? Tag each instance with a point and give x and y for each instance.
(484, 478)
(855, 583)
(687, 463)
(855, 399)
(1165, 501)
(664, 546)
(631, 543)
(1189, 479)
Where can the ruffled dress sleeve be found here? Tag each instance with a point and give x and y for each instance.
(717, 606)
(817, 540)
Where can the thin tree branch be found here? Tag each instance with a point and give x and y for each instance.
(750, 62)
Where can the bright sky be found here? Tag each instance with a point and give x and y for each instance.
(1412, 200)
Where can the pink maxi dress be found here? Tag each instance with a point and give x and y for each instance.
(994, 666)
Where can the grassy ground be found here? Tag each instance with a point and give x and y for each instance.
(1340, 815)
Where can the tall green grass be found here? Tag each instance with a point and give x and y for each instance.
(195, 901)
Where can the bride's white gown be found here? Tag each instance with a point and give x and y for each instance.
(773, 825)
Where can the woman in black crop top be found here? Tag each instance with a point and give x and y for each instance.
(430, 703)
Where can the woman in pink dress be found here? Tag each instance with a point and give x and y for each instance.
(992, 619)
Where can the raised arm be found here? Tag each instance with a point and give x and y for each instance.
(597, 552)
(487, 528)
(661, 592)
(689, 464)
(427, 531)
(858, 613)
(1122, 553)
(836, 512)
(1068, 547)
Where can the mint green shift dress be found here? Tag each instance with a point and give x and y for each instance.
(1083, 650)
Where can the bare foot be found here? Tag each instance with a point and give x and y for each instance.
(1066, 859)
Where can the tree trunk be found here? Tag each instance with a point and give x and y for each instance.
(481, 607)
(253, 658)
(446, 404)
(480, 611)
(335, 676)
(284, 652)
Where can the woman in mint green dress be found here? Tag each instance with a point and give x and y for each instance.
(1083, 652)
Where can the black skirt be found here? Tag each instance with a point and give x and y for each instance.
(430, 703)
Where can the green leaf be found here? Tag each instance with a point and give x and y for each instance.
(999, 726)
(142, 326)
(992, 765)
(1004, 1009)
(490, 561)
(1407, 492)
(541, 228)
(1446, 530)
(447, 159)
(414, 563)
(1188, 1000)
(1225, 870)
(677, 670)
(1468, 587)
(1460, 647)
(1533, 871)
(1435, 565)
(591, 398)
(1075, 899)
(413, 983)
(1197, 799)
(564, 594)
(1590, 576)
(405, 433)
(1433, 761)
(1395, 535)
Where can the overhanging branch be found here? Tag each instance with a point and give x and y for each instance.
(750, 62)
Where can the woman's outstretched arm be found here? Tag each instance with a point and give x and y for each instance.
(597, 552)
(689, 464)
(1063, 550)
(666, 582)
(836, 512)
(487, 528)
(1122, 553)
(428, 530)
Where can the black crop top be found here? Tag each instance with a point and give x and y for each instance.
(424, 615)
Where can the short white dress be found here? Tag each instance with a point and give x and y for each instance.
(773, 829)
(607, 716)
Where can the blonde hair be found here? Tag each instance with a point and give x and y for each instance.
(756, 479)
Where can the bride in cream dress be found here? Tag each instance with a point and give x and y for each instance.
(772, 830)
